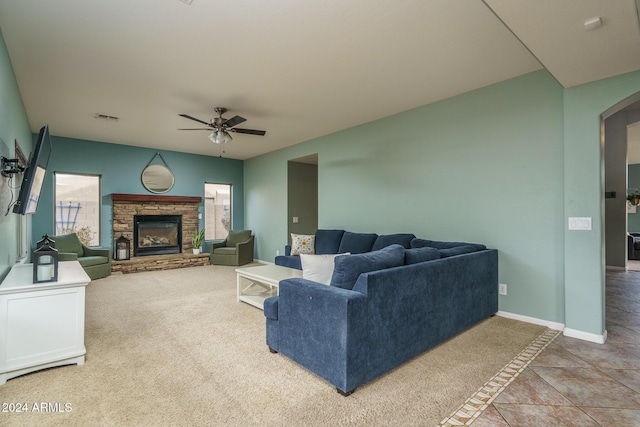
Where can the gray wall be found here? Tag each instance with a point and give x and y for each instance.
(302, 198)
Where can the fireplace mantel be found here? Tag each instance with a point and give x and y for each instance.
(152, 198)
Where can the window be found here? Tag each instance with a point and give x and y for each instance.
(217, 211)
(77, 203)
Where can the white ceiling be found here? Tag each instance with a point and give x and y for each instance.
(297, 69)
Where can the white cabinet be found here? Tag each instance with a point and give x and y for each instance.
(41, 325)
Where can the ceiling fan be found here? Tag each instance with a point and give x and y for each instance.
(222, 127)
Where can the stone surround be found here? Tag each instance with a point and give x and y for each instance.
(125, 206)
(159, 262)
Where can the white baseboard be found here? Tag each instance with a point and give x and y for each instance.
(615, 267)
(568, 332)
(585, 336)
(551, 325)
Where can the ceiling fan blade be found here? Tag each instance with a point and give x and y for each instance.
(235, 120)
(249, 131)
(209, 129)
(193, 118)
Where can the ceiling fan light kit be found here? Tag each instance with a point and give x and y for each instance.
(222, 127)
(220, 137)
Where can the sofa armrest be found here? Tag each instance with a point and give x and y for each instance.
(67, 256)
(287, 250)
(245, 244)
(324, 329)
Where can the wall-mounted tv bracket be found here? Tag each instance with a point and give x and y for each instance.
(8, 167)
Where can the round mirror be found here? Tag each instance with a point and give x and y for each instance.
(157, 178)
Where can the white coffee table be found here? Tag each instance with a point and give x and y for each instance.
(256, 284)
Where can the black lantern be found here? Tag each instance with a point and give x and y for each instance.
(46, 240)
(45, 264)
(122, 248)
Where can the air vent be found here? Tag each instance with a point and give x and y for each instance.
(106, 117)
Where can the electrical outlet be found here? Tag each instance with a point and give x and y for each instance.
(277, 252)
(502, 289)
(295, 219)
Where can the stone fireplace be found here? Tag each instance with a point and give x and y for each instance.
(165, 249)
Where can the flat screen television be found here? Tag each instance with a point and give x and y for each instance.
(33, 177)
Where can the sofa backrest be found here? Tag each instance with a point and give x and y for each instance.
(68, 244)
(348, 268)
(328, 241)
(237, 236)
(357, 243)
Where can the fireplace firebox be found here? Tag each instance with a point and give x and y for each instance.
(157, 234)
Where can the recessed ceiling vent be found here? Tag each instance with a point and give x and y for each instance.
(106, 117)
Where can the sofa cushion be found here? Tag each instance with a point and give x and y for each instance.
(347, 269)
(302, 244)
(225, 251)
(421, 243)
(357, 243)
(88, 261)
(416, 255)
(458, 250)
(318, 268)
(402, 239)
(68, 243)
(328, 241)
(237, 236)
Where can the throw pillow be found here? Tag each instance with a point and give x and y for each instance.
(384, 240)
(302, 244)
(318, 268)
(416, 255)
(347, 269)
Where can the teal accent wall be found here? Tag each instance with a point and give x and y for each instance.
(633, 179)
(120, 167)
(485, 166)
(14, 125)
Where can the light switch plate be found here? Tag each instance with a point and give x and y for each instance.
(579, 223)
(295, 219)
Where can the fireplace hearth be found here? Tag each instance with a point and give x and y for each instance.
(157, 234)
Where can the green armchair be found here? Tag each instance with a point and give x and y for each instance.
(236, 249)
(96, 262)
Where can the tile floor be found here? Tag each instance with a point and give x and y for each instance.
(577, 383)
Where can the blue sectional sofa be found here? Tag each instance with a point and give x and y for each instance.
(382, 307)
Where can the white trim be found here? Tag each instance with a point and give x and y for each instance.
(615, 267)
(551, 325)
(585, 336)
(567, 332)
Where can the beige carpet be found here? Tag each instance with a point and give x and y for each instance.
(174, 348)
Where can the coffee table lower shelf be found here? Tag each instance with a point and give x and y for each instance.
(256, 284)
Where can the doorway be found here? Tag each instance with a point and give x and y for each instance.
(622, 161)
(302, 195)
